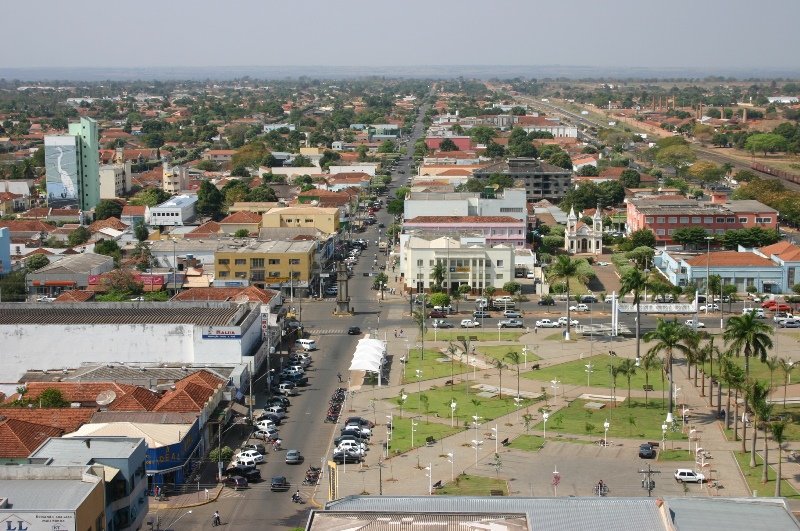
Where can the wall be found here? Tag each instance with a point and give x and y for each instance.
(432, 207)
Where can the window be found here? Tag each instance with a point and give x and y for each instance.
(295, 274)
(720, 220)
(659, 232)
(419, 263)
(274, 261)
(309, 220)
(648, 219)
(763, 220)
(660, 219)
(223, 261)
(499, 263)
(684, 220)
(673, 220)
(731, 220)
(708, 220)
(222, 274)
(241, 274)
(240, 261)
(510, 209)
(431, 263)
(256, 262)
(257, 275)
(499, 276)
(274, 274)
(742, 220)
(294, 261)
(720, 231)
(671, 232)
(695, 220)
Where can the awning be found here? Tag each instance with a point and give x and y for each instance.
(240, 409)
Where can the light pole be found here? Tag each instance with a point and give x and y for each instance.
(496, 433)
(545, 416)
(525, 353)
(475, 419)
(413, 430)
(419, 388)
(663, 435)
(606, 425)
(408, 357)
(453, 406)
(452, 460)
(477, 444)
(708, 269)
(517, 403)
(499, 327)
(588, 373)
(554, 384)
(178, 518)
(429, 468)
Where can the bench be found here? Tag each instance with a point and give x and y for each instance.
(505, 442)
(430, 441)
(438, 484)
(449, 382)
(654, 444)
(535, 367)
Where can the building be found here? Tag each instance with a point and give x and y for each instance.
(72, 166)
(132, 215)
(495, 230)
(786, 255)
(509, 202)
(466, 261)
(326, 220)
(665, 214)
(547, 125)
(176, 211)
(580, 237)
(5, 251)
(219, 155)
(463, 143)
(241, 221)
(115, 180)
(174, 179)
(281, 265)
(123, 462)
(274, 127)
(541, 180)
(68, 273)
(740, 269)
(366, 167)
(37, 497)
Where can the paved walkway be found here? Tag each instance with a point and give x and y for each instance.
(530, 473)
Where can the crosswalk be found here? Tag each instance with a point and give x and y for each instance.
(326, 331)
(230, 493)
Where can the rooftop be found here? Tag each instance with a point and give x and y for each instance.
(463, 219)
(266, 247)
(731, 259)
(111, 313)
(61, 494)
(179, 201)
(82, 263)
(77, 451)
(155, 435)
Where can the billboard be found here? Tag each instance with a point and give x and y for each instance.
(62, 164)
(222, 332)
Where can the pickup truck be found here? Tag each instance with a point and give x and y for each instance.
(470, 323)
(691, 323)
(546, 323)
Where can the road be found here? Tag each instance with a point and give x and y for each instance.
(304, 428)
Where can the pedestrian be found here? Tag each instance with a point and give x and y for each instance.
(401, 332)
(536, 329)
(339, 375)
(395, 332)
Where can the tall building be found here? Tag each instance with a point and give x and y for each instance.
(72, 165)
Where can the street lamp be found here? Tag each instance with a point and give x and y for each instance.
(499, 327)
(589, 371)
(545, 416)
(606, 425)
(476, 444)
(429, 468)
(475, 419)
(708, 269)
(496, 433)
(413, 430)
(525, 353)
(452, 460)
(453, 406)
(419, 388)
(554, 384)
(517, 403)
(663, 435)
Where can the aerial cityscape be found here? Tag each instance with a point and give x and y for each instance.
(443, 265)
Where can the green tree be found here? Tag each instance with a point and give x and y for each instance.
(150, 197)
(437, 274)
(140, 231)
(778, 435)
(766, 143)
(301, 161)
(440, 299)
(241, 233)
(107, 208)
(482, 134)
(669, 337)
(635, 281)
(676, 157)
(52, 398)
(566, 268)
(630, 178)
(79, 236)
(499, 365)
(649, 363)
(494, 150)
(745, 334)
(561, 159)
(786, 367)
(447, 145)
(515, 358)
(387, 146)
(694, 236)
(639, 238)
(757, 396)
(512, 288)
(36, 262)
(209, 200)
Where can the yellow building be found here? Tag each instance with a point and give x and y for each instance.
(284, 265)
(324, 219)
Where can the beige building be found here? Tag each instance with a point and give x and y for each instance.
(283, 265)
(321, 218)
(115, 180)
(241, 221)
(174, 179)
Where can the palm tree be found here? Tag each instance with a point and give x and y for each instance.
(564, 268)
(772, 364)
(615, 372)
(786, 367)
(488, 292)
(514, 357)
(700, 358)
(649, 363)
(456, 297)
(628, 369)
(419, 319)
(500, 366)
(764, 413)
(634, 281)
(777, 429)
(670, 336)
(756, 394)
(693, 344)
(438, 274)
(747, 334)
(451, 350)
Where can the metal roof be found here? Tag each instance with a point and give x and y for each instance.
(87, 313)
(731, 514)
(75, 451)
(30, 494)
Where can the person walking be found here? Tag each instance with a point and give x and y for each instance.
(215, 519)
(339, 375)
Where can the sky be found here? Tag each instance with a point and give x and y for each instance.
(599, 33)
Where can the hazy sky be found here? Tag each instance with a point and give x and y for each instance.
(618, 33)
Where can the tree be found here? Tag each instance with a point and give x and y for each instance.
(301, 161)
(494, 150)
(642, 256)
(706, 172)
(387, 146)
(694, 236)
(765, 142)
(209, 200)
(514, 357)
(36, 262)
(634, 281)
(107, 208)
(747, 334)
(440, 299)
(676, 157)
(588, 170)
(777, 429)
(628, 369)
(630, 178)
(564, 268)
(140, 231)
(786, 368)
(499, 365)
(511, 287)
(639, 238)
(241, 233)
(649, 363)
(150, 197)
(79, 236)
(52, 398)
(447, 145)
(669, 337)
(401, 399)
(482, 134)
(561, 159)
(108, 248)
(437, 274)
(419, 319)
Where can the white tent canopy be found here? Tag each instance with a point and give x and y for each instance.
(369, 356)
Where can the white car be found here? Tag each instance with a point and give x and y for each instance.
(547, 323)
(562, 321)
(470, 323)
(687, 475)
(709, 307)
(579, 308)
(249, 455)
(691, 324)
(264, 425)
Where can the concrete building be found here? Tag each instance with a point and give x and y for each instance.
(132, 215)
(115, 180)
(466, 261)
(495, 230)
(123, 462)
(72, 166)
(509, 202)
(67, 273)
(242, 220)
(282, 265)
(176, 211)
(37, 497)
(665, 214)
(741, 269)
(367, 167)
(541, 180)
(326, 220)
(174, 179)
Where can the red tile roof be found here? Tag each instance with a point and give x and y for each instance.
(76, 295)
(133, 210)
(242, 216)
(26, 226)
(251, 293)
(210, 228)
(191, 393)
(113, 223)
(67, 419)
(19, 438)
(730, 258)
(83, 392)
(784, 250)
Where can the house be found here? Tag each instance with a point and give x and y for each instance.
(132, 215)
(343, 180)
(326, 220)
(219, 155)
(70, 272)
(786, 255)
(740, 269)
(463, 143)
(241, 221)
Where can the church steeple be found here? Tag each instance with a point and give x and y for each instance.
(572, 216)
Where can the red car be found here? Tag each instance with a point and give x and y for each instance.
(769, 303)
(437, 314)
(780, 308)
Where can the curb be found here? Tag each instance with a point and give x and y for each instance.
(213, 496)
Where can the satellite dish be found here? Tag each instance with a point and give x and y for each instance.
(106, 397)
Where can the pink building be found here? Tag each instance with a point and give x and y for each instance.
(496, 229)
(464, 143)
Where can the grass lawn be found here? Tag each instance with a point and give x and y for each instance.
(529, 443)
(646, 422)
(439, 403)
(559, 336)
(452, 334)
(499, 352)
(757, 370)
(675, 455)
(466, 485)
(753, 477)
(431, 367)
(574, 373)
(401, 433)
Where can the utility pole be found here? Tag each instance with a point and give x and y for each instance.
(647, 481)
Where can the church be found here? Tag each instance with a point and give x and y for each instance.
(580, 238)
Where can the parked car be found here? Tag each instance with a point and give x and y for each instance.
(562, 321)
(692, 324)
(780, 307)
(278, 411)
(588, 299)
(470, 323)
(759, 312)
(439, 323)
(346, 457)
(546, 323)
(251, 474)
(437, 314)
(646, 451)
(354, 331)
(278, 483)
(512, 314)
(478, 314)
(686, 475)
(235, 482)
(790, 323)
(709, 307)
(546, 301)
(510, 323)
(256, 447)
(579, 308)
(293, 457)
(250, 454)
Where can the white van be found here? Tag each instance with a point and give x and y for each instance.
(307, 344)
